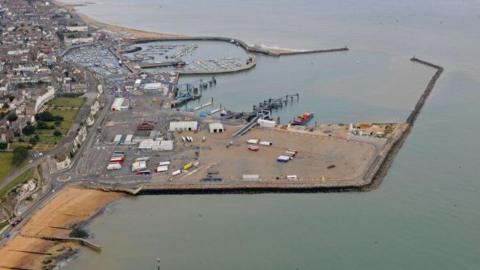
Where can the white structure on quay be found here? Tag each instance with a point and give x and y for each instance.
(183, 126)
(216, 128)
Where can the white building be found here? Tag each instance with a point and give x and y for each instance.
(166, 145)
(76, 41)
(156, 86)
(183, 126)
(94, 108)
(46, 97)
(120, 104)
(149, 144)
(266, 123)
(216, 128)
(82, 28)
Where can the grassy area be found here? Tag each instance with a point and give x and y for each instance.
(65, 107)
(68, 117)
(67, 102)
(19, 180)
(3, 224)
(5, 164)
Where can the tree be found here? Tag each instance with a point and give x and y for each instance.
(57, 133)
(20, 154)
(43, 125)
(28, 129)
(3, 145)
(12, 117)
(48, 117)
(34, 140)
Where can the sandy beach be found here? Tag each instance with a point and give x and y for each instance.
(71, 206)
(133, 33)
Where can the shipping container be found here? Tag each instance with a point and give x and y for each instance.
(250, 177)
(164, 163)
(187, 166)
(266, 143)
(253, 148)
(114, 166)
(162, 169)
(283, 158)
(139, 165)
(144, 172)
(291, 153)
(128, 139)
(117, 138)
(117, 159)
(252, 141)
(292, 177)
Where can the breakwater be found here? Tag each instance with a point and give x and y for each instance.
(387, 161)
(80, 241)
(244, 45)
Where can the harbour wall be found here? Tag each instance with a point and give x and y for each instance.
(244, 45)
(397, 145)
(371, 181)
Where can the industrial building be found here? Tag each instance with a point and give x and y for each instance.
(183, 126)
(216, 128)
(266, 123)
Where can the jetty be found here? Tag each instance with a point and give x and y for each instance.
(264, 111)
(81, 241)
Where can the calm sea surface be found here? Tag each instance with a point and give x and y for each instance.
(425, 215)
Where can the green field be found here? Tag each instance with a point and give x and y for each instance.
(65, 107)
(68, 117)
(67, 102)
(5, 164)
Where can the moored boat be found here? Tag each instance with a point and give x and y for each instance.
(303, 119)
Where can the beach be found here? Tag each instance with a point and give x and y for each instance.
(132, 33)
(27, 248)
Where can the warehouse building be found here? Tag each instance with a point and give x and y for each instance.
(216, 128)
(183, 126)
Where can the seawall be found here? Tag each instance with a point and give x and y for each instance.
(390, 156)
(238, 42)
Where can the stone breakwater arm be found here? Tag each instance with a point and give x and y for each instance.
(244, 45)
(384, 163)
(431, 84)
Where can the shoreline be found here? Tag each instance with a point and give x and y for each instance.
(94, 23)
(31, 248)
(137, 34)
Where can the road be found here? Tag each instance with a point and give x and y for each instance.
(52, 179)
(70, 136)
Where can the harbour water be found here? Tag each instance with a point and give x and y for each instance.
(426, 213)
